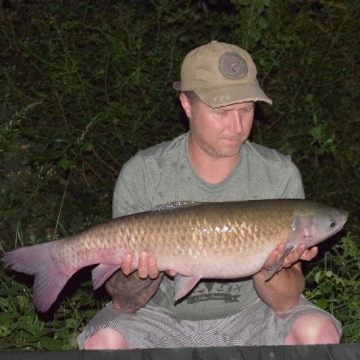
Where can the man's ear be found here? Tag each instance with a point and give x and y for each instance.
(185, 104)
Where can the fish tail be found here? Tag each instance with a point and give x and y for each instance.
(37, 260)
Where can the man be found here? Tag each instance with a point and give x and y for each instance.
(214, 161)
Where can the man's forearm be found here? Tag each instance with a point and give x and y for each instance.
(130, 293)
(283, 290)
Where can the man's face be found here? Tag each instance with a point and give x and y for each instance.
(220, 132)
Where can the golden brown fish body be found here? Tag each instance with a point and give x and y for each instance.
(198, 240)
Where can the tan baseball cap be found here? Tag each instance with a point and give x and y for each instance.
(220, 74)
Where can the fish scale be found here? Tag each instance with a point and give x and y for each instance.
(197, 240)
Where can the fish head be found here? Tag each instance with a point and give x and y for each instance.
(313, 223)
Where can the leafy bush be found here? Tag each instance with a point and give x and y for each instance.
(333, 284)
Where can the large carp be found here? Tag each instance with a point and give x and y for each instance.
(198, 240)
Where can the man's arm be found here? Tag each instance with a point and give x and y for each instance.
(283, 290)
(134, 284)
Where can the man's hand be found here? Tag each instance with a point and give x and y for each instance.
(300, 253)
(147, 266)
(130, 293)
(131, 289)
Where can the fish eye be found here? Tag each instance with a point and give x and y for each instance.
(332, 223)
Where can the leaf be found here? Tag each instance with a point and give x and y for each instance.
(51, 344)
(322, 303)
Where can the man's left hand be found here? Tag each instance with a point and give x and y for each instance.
(300, 253)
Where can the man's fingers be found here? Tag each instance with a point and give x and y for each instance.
(309, 254)
(126, 264)
(143, 270)
(271, 260)
(299, 253)
(147, 266)
(152, 267)
(171, 272)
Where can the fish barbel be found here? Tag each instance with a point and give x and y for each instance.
(223, 240)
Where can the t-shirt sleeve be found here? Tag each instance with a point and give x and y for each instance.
(132, 189)
(291, 186)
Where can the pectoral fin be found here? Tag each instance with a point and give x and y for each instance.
(101, 273)
(288, 249)
(184, 284)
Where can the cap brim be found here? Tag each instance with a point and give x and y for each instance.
(177, 85)
(226, 95)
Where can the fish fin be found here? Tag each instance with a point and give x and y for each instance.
(175, 205)
(37, 260)
(101, 273)
(288, 249)
(184, 284)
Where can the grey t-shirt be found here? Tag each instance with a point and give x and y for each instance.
(164, 173)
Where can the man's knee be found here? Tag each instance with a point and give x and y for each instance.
(313, 329)
(107, 339)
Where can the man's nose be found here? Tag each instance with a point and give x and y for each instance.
(235, 124)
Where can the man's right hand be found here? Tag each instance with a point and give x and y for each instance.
(131, 290)
(147, 266)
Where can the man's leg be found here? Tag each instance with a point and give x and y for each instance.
(313, 329)
(107, 339)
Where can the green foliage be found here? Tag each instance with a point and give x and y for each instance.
(313, 79)
(334, 285)
(86, 84)
(253, 14)
(22, 328)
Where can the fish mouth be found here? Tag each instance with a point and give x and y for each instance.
(344, 216)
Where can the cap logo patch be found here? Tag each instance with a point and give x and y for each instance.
(232, 66)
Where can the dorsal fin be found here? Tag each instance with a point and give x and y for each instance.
(175, 205)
